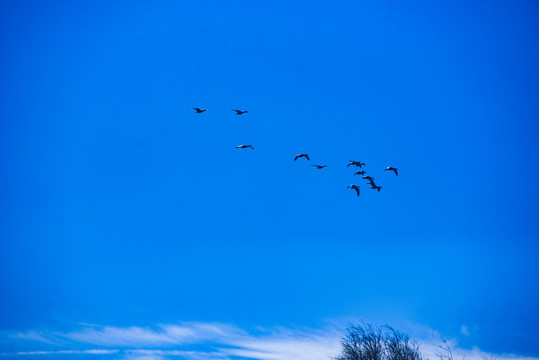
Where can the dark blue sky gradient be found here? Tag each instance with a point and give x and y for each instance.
(122, 206)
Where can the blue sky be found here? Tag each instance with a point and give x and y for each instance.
(124, 209)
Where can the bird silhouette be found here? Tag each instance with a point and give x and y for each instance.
(373, 186)
(355, 187)
(362, 172)
(199, 110)
(245, 147)
(392, 169)
(371, 182)
(240, 112)
(367, 177)
(320, 166)
(355, 163)
(302, 155)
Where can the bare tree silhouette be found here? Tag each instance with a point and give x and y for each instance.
(368, 342)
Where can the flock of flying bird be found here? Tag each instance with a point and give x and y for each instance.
(359, 164)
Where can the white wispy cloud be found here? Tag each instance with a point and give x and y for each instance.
(36, 336)
(286, 344)
(59, 352)
(161, 335)
(218, 342)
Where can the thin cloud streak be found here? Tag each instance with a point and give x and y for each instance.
(162, 335)
(58, 352)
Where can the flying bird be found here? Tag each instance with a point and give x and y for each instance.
(239, 112)
(320, 166)
(371, 183)
(199, 110)
(245, 147)
(367, 177)
(355, 187)
(362, 172)
(355, 163)
(302, 155)
(373, 186)
(392, 169)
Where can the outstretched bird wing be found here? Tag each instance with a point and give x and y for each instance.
(355, 187)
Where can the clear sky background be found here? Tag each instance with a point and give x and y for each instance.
(123, 207)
